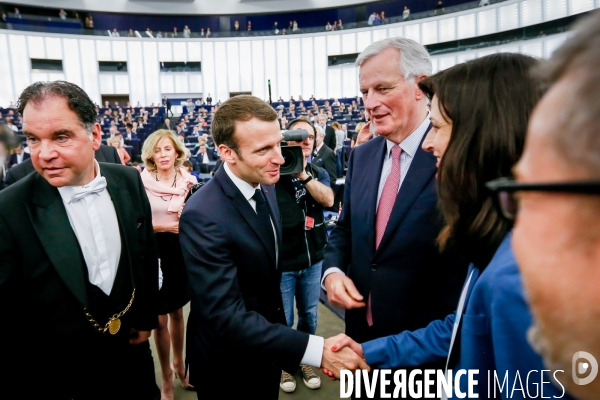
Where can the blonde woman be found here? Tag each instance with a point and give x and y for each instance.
(357, 130)
(115, 142)
(166, 186)
(340, 136)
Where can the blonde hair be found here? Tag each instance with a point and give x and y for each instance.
(152, 141)
(336, 125)
(359, 127)
(113, 140)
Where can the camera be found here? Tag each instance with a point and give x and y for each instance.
(294, 159)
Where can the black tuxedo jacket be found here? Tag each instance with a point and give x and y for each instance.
(43, 276)
(236, 306)
(410, 282)
(329, 137)
(325, 158)
(13, 159)
(103, 154)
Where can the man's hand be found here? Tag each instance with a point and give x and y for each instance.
(342, 293)
(344, 341)
(365, 134)
(302, 175)
(343, 358)
(138, 337)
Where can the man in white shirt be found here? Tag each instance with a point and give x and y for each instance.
(231, 250)
(78, 264)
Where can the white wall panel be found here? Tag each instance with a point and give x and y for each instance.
(72, 61)
(308, 68)
(194, 82)
(551, 44)
(531, 12)
(222, 89)
(107, 83)
(270, 57)
(136, 82)
(181, 82)
(486, 52)
(165, 51)
(36, 47)
(348, 43)
(119, 50)
(349, 81)
(151, 73)
(193, 51)
(487, 22)
(579, 6)
(39, 76)
(555, 9)
(54, 48)
(434, 65)
(103, 50)
(233, 67)
(320, 61)
(122, 87)
(208, 70)
(180, 51)
(295, 68)
(246, 65)
(413, 32)
(533, 49)
(283, 65)
(167, 83)
(446, 62)
(334, 45)
(465, 56)
(509, 17)
(334, 82)
(429, 32)
(89, 69)
(379, 34)
(447, 29)
(58, 76)
(397, 31)
(363, 39)
(259, 84)
(466, 26)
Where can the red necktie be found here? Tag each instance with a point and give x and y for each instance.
(386, 204)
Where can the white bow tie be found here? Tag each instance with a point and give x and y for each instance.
(96, 186)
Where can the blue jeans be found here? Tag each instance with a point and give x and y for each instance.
(305, 285)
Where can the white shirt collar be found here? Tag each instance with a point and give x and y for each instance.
(411, 144)
(67, 192)
(244, 187)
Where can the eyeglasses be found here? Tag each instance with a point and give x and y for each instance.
(506, 188)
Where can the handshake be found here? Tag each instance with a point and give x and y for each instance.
(341, 352)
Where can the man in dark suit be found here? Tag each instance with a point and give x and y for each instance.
(231, 251)
(167, 125)
(167, 104)
(18, 156)
(382, 264)
(78, 265)
(107, 154)
(329, 132)
(323, 156)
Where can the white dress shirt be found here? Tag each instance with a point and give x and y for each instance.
(314, 349)
(94, 221)
(205, 159)
(409, 147)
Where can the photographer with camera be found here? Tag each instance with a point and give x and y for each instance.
(301, 198)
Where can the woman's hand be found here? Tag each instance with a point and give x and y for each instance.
(169, 228)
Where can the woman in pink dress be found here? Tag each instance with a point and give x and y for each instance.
(115, 141)
(167, 186)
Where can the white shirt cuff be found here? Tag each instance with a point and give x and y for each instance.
(314, 351)
(330, 271)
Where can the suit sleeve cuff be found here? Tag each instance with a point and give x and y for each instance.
(329, 271)
(314, 351)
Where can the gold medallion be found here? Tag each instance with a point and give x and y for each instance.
(114, 325)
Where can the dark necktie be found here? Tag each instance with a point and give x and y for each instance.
(262, 211)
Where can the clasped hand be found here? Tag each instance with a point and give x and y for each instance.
(341, 352)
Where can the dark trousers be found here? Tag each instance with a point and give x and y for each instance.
(85, 366)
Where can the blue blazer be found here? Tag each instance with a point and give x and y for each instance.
(410, 282)
(491, 336)
(236, 305)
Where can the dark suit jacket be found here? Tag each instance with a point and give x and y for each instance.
(236, 305)
(329, 137)
(410, 283)
(43, 276)
(105, 153)
(13, 159)
(325, 158)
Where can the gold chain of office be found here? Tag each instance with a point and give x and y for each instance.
(114, 323)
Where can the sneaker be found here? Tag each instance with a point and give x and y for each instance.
(287, 383)
(311, 380)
